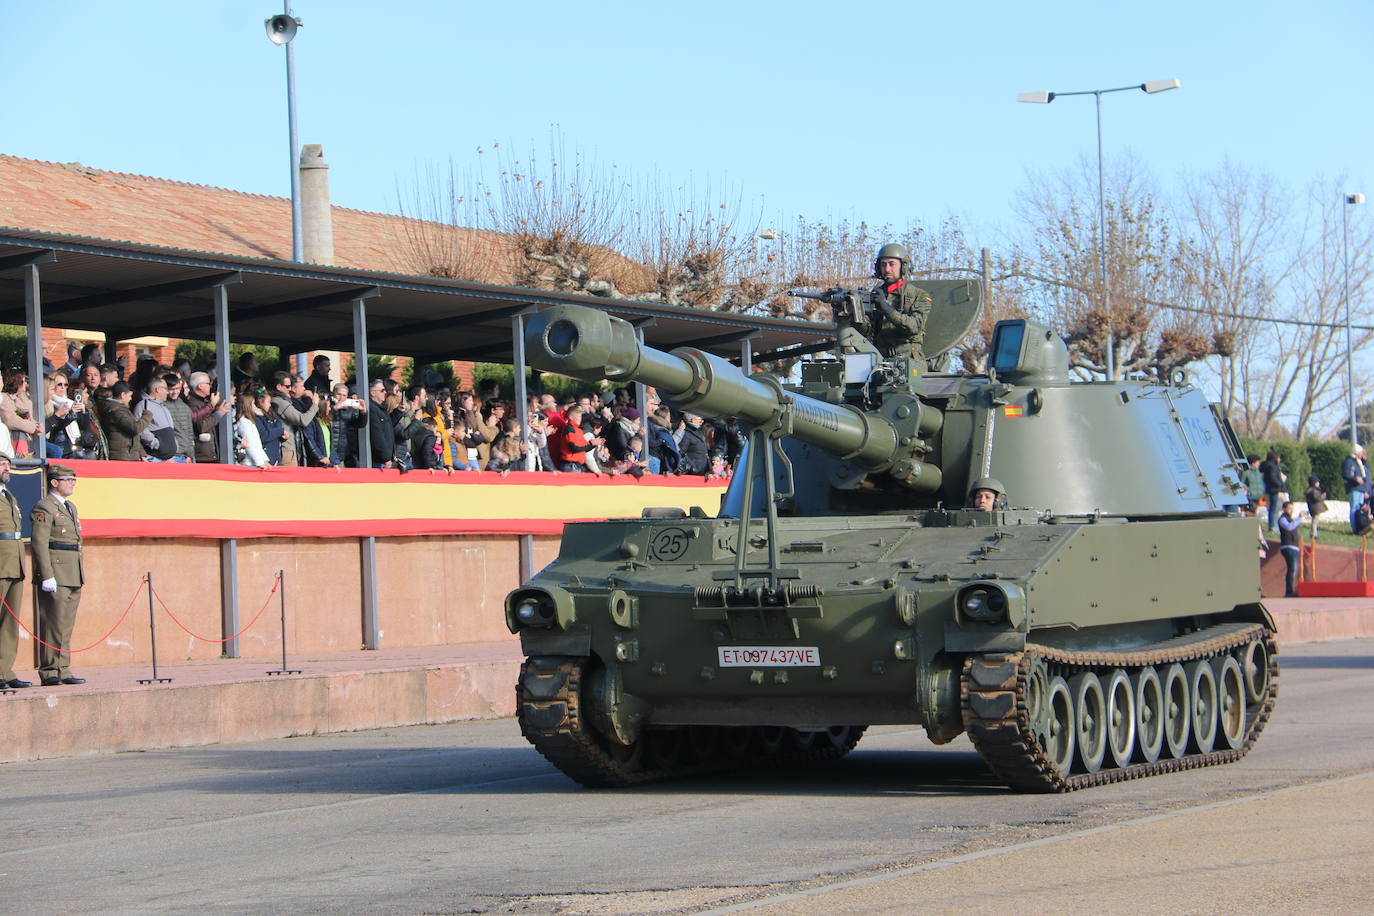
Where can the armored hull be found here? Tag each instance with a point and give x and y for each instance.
(1102, 632)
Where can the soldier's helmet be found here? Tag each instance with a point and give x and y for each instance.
(892, 250)
(988, 483)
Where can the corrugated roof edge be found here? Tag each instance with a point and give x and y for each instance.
(324, 271)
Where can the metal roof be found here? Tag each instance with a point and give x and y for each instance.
(129, 290)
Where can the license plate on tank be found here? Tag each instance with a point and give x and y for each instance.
(769, 656)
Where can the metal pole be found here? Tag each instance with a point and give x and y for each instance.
(229, 594)
(361, 379)
(746, 356)
(224, 375)
(152, 635)
(281, 586)
(1349, 200)
(1110, 361)
(297, 249)
(522, 413)
(372, 634)
(33, 315)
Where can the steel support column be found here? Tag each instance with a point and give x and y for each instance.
(229, 594)
(522, 413)
(224, 373)
(33, 321)
(746, 356)
(228, 549)
(368, 545)
(360, 377)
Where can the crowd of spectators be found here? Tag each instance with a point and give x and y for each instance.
(171, 413)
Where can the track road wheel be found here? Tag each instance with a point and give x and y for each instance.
(1254, 664)
(1058, 738)
(1230, 702)
(1177, 711)
(1202, 693)
(1090, 713)
(1149, 715)
(1120, 718)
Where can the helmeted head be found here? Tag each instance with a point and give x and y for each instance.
(986, 493)
(892, 252)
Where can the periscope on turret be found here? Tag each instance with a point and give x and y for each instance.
(1104, 624)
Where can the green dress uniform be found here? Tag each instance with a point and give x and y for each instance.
(11, 581)
(56, 538)
(900, 330)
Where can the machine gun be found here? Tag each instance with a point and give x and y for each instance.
(850, 306)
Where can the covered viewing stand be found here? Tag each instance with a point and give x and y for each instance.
(126, 290)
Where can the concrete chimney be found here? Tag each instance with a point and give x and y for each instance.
(317, 221)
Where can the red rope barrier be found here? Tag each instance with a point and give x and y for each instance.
(275, 585)
(98, 642)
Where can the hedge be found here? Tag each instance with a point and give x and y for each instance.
(1301, 460)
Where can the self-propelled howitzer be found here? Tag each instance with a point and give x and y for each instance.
(1104, 625)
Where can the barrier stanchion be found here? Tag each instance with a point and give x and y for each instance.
(281, 586)
(152, 632)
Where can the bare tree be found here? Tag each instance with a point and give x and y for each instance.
(1238, 257)
(438, 233)
(1144, 265)
(695, 242)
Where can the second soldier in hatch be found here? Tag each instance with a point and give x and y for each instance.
(901, 307)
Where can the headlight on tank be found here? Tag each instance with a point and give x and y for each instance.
(538, 607)
(983, 603)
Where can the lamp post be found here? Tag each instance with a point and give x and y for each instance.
(280, 30)
(1044, 98)
(1350, 201)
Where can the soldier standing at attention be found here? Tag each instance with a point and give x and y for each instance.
(899, 326)
(56, 538)
(11, 576)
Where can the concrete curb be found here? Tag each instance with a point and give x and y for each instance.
(56, 725)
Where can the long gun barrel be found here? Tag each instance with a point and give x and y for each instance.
(588, 344)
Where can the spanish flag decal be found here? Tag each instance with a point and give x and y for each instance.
(1012, 410)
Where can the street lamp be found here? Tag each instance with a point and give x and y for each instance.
(1044, 98)
(1350, 201)
(280, 30)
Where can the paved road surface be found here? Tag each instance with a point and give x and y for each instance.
(468, 819)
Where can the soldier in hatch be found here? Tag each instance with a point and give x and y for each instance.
(986, 494)
(901, 307)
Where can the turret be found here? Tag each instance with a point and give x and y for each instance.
(589, 344)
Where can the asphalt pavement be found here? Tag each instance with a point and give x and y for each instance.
(467, 818)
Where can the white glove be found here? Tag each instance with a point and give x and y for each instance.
(49, 585)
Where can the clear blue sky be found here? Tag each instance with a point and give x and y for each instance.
(883, 112)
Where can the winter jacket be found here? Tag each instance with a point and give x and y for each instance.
(1273, 476)
(691, 444)
(205, 427)
(182, 426)
(122, 431)
(1352, 468)
(663, 447)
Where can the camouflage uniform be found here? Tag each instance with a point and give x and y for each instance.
(900, 330)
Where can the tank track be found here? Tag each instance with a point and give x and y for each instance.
(994, 693)
(548, 699)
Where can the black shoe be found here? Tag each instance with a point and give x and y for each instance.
(18, 684)
(50, 682)
(73, 680)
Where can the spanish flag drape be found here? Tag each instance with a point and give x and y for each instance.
(134, 499)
